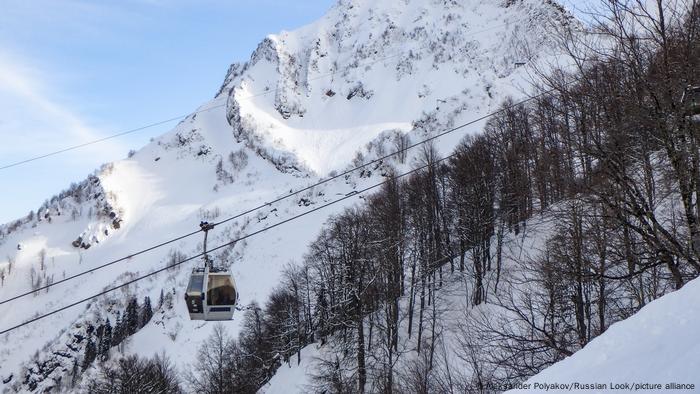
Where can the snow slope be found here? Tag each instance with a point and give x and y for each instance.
(295, 378)
(455, 309)
(309, 102)
(656, 345)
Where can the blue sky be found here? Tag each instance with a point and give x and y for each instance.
(73, 71)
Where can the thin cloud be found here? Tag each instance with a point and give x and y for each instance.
(39, 119)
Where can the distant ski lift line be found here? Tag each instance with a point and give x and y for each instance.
(286, 196)
(232, 242)
(182, 117)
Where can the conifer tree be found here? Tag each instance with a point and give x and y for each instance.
(90, 353)
(74, 373)
(146, 311)
(106, 341)
(131, 317)
(118, 332)
(161, 299)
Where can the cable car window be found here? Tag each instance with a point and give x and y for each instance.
(220, 291)
(196, 283)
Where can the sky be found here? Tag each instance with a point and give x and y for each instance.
(73, 71)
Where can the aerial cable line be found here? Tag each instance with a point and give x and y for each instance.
(266, 204)
(286, 196)
(122, 133)
(68, 278)
(183, 117)
(233, 242)
(230, 243)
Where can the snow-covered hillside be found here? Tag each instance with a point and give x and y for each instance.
(455, 309)
(309, 102)
(652, 350)
(647, 351)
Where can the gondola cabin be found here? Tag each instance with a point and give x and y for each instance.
(211, 294)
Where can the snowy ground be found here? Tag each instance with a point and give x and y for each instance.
(655, 346)
(454, 308)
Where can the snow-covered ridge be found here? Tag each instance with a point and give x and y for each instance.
(367, 67)
(85, 199)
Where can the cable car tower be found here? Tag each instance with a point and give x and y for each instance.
(211, 293)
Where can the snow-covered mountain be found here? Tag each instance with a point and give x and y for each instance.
(309, 102)
(371, 67)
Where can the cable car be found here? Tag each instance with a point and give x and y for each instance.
(211, 293)
(691, 101)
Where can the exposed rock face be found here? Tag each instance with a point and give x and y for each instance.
(400, 62)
